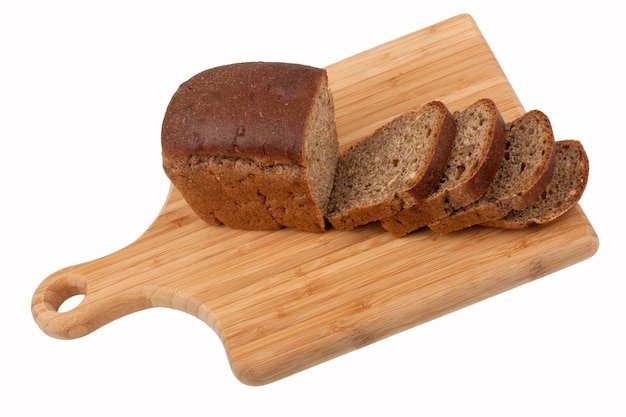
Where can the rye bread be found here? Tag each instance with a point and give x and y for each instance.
(476, 155)
(253, 145)
(571, 173)
(525, 171)
(399, 163)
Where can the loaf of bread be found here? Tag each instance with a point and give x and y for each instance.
(253, 145)
(525, 171)
(571, 173)
(399, 163)
(476, 156)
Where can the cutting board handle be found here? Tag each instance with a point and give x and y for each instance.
(108, 295)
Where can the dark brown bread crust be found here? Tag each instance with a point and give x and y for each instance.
(257, 109)
(567, 186)
(242, 143)
(239, 194)
(500, 199)
(443, 200)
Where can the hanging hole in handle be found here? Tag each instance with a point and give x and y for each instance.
(65, 293)
(71, 303)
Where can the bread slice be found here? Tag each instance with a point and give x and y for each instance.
(476, 156)
(253, 145)
(400, 162)
(571, 173)
(525, 171)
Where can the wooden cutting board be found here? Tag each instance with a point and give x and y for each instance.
(283, 301)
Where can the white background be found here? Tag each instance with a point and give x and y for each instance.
(83, 89)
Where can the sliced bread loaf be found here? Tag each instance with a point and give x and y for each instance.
(253, 145)
(525, 171)
(400, 162)
(571, 172)
(476, 156)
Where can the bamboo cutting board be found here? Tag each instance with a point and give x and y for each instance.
(283, 301)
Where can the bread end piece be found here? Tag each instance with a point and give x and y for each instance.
(571, 174)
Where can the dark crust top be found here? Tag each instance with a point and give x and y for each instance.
(256, 110)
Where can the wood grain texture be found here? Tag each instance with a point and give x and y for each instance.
(283, 301)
